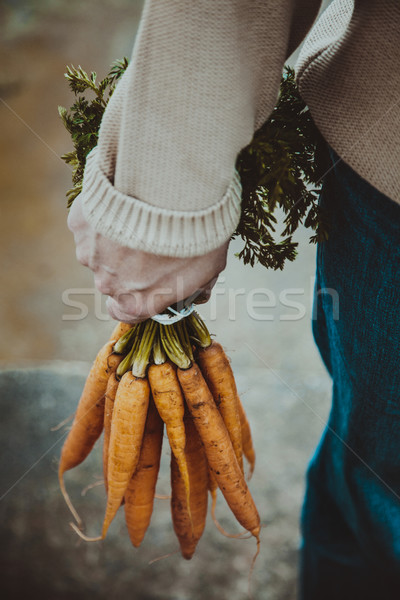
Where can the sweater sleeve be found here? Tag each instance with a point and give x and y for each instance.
(203, 77)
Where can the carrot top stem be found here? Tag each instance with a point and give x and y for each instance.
(124, 344)
(183, 336)
(142, 355)
(127, 363)
(198, 330)
(159, 356)
(173, 347)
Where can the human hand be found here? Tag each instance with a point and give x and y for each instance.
(141, 284)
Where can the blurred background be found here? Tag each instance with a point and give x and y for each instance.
(262, 318)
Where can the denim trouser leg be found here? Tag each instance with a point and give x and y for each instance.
(351, 513)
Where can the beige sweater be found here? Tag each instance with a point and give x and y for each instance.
(203, 77)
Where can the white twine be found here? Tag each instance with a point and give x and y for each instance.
(170, 319)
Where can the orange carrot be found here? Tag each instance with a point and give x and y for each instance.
(213, 489)
(139, 496)
(218, 374)
(88, 422)
(247, 442)
(189, 525)
(218, 448)
(127, 427)
(119, 330)
(111, 391)
(212, 483)
(170, 404)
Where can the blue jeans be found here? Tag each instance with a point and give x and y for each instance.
(351, 512)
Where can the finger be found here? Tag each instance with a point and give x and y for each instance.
(202, 272)
(203, 294)
(82, 254)
(139, 305)
(115, 312)
(104, 283)
(107, 255)
(200, 297)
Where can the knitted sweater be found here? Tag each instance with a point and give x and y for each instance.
(204, 76)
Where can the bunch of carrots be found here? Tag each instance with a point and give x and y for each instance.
(147, 376)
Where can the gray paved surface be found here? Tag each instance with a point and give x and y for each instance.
(283, 384)
(42, 557)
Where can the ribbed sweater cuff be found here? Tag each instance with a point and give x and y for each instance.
(135, 224)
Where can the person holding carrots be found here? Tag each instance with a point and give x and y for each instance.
(161, 199)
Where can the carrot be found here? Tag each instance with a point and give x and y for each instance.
(88, 422)
(119, 330)
(127, 427)
(218, 448)
(189, 525)
(247, 442)
(212, 483)
(139, 496)
(218, 374)
(213, 488)
(111, 391)
(170, 404)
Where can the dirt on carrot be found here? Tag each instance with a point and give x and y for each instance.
(218, 374)
(170, 404)
(189, 525)
(111, 392)
(127, 428)
(218, 448)
(140, 493)
(88, 422)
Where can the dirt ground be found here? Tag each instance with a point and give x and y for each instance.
(45, 352)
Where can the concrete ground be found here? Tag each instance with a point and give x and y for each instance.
(262, 318)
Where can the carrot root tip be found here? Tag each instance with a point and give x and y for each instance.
(154, 560)
(253, 562)
(68, 501)
(83, 536)
(243, 535)
(91, 486)
(62, 423)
